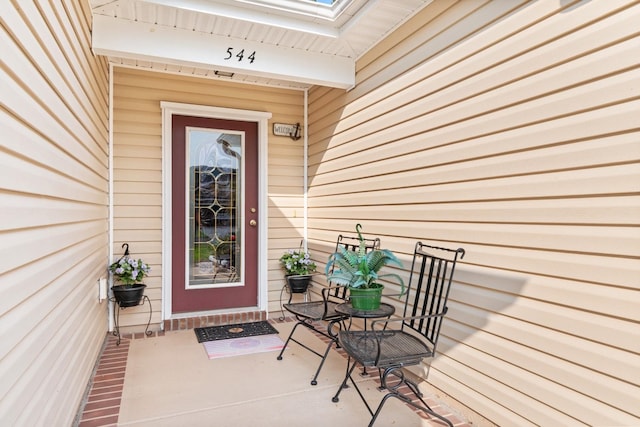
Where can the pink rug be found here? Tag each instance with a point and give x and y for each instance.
(242, 346)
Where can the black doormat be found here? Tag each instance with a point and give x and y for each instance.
(237, 330)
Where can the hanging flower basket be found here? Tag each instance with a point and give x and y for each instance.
(128, 295)
(129, 272)
(298, 268)
(297, 263)
(298, 284)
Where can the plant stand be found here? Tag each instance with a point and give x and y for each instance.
(116, 316)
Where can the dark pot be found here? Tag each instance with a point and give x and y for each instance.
(298, 284)
(366, 299)
(128, 296)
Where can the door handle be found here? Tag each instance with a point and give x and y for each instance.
(253, 223)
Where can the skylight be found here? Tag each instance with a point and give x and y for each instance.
(325, 9)
(319, 17)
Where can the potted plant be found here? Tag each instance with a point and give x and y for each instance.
(298, 268)
(359, 271)
(129, 272)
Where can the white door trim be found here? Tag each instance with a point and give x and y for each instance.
(261, 118)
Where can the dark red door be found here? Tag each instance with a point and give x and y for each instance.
(214, 214)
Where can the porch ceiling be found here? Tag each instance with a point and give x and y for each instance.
(296, 46)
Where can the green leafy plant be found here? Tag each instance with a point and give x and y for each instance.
(129, 271)
(202, 252)
(297, 263)
(360, 269)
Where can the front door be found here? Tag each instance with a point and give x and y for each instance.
(214, 214)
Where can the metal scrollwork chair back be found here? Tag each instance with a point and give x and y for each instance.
(391, 344)
(320, 315)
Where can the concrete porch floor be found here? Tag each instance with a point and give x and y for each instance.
(168, 380)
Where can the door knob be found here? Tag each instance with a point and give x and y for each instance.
(253, 223)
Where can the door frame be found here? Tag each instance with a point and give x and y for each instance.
(261, 118)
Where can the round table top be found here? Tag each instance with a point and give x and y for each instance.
(385, 310)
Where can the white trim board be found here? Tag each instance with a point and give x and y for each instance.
(149, 42)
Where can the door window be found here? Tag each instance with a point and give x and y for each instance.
(214, 202)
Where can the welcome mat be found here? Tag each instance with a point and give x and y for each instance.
(242, 346)
(237, 330)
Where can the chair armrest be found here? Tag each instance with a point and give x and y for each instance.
(329, 293)
(402, 319)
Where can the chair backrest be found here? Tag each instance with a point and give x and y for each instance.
(428, 290)
(351, 243)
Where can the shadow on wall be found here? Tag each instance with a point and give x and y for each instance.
(475, 296)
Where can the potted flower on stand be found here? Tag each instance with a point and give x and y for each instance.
(298, 268)
(129, 272)
(359, 271)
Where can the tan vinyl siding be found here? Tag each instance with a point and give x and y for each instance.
(510, 129)
(54, 208)
(138, 167)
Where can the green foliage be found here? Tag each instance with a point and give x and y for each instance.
(360, 269)
(129, 271)
(297, 262)
(202, 252)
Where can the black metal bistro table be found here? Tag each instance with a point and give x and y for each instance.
(384, 311)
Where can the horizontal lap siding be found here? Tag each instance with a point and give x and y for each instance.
(510, 129)
(138, 168)
(54, 197)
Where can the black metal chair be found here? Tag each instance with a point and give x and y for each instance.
(320, 315)
(391, 344)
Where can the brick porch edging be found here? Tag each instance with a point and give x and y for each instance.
(102, 405)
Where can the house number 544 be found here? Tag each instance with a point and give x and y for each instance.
(240, 56)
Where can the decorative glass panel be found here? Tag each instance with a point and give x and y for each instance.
(214, 204)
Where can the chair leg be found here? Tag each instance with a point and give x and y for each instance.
(314, 381)
(286, 343)
(408, 401)
(382, 402)
(394, 391)
(350, 368)
(349, 376)
(331, 338)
